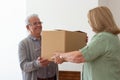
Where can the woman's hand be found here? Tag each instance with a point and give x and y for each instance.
(57, 58)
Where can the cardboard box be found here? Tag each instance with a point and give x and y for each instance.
(63, 41)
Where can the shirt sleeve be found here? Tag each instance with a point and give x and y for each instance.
(25, 64)
(95, 48)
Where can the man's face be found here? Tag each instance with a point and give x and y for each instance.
(35, 26)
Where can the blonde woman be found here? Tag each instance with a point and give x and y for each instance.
(101, 57)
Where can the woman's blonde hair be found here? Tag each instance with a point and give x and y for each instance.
(101, 19)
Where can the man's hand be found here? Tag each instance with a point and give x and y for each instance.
(43, 62)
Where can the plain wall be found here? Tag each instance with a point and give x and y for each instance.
(12, 30)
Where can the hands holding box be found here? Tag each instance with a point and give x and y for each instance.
(61, 40)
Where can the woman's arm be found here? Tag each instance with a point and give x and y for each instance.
(74, 57)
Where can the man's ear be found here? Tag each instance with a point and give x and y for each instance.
(27, 26)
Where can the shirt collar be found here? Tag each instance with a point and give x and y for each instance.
(33, 38)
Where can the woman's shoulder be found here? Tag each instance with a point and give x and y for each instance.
(105, 34)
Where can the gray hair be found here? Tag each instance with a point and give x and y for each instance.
(29, 17)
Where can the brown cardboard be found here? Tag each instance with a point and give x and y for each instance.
(63, 41)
